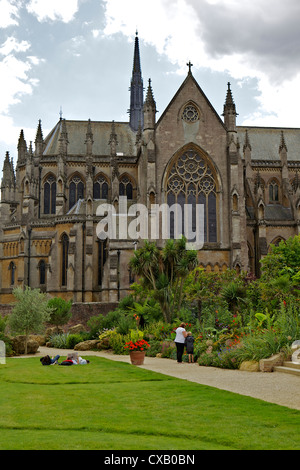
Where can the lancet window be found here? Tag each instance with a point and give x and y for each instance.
(76, 190)
(273, 191)
(100, 189)
(64, 258)
(125, 187)
(50, 195)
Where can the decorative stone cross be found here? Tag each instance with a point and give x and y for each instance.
(190, 65)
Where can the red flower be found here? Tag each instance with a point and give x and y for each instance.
(138, 345)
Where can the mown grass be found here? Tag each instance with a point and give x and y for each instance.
(112, 405)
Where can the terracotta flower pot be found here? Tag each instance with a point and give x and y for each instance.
(137, 357)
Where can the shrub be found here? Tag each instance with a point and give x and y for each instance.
(59, 341)
(60, 311)
(155, 348)
(117, 343)
(209, 359)
(72, 340)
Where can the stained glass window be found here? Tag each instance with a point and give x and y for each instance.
(190, 114)
(100, 189)
(76, 191)
(191, 181)
(125, 187)
(50, 195)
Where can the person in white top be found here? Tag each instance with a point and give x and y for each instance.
(180, 340)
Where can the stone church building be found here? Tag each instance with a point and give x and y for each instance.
(246, 178)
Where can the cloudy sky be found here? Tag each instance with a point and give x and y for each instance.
(76, 55)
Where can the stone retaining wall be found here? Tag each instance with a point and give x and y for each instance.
(267, 365)
(81, 312)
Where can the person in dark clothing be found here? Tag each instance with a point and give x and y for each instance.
(47, 360)
(189, 342)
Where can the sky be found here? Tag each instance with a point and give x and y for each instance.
(75, 57)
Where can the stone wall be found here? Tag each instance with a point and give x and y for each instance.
(81, 312)
(267, 365)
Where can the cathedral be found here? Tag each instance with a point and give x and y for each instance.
(245, 178)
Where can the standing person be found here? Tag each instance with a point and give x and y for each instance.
(189, 342)
(180, 341)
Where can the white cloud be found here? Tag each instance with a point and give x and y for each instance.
(256, 40)
(14, 72)
(11, 44)
(62, 10)
(8, 13)
(174, 31)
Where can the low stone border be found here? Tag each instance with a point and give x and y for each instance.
(267, 365)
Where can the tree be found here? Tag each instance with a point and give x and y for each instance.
(163, 271)
(280, 271)
(283, 259)
(29, 313)
(60, 311)
(201, 286)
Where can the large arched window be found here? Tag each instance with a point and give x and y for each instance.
(191, 180)
(50, 195)
(64, 258)
(100, 189)
(76, 190)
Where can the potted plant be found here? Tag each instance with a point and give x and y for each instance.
(137, 347)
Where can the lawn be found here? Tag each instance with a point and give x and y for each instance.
(108, 405)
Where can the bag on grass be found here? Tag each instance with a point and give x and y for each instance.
(67, 362)
(46, 361)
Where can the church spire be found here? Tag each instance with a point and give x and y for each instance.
(149, 109)
(230, 113)
(136, 90)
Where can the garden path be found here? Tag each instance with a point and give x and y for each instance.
(275, 387)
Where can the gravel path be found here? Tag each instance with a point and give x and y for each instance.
(275, 387)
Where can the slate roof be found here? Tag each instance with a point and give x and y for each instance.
(265, 142)
(273, 212)
(76, 131)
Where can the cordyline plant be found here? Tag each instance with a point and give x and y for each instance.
(164, 271)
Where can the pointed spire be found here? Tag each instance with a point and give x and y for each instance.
(149, 108)
(89, 140)
(8, 178)
(149, 101)
(229, 103)
(136, 58)
(136, 90)
(282, 145)
(63, 139)
(113, 141)
(230, 113)
(247, 144)
(39, 140)
(22, 148)
(39, 133)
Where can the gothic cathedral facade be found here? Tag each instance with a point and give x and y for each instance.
(246, 179)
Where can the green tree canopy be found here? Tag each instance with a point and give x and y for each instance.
(60, 311)
(29, 313)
